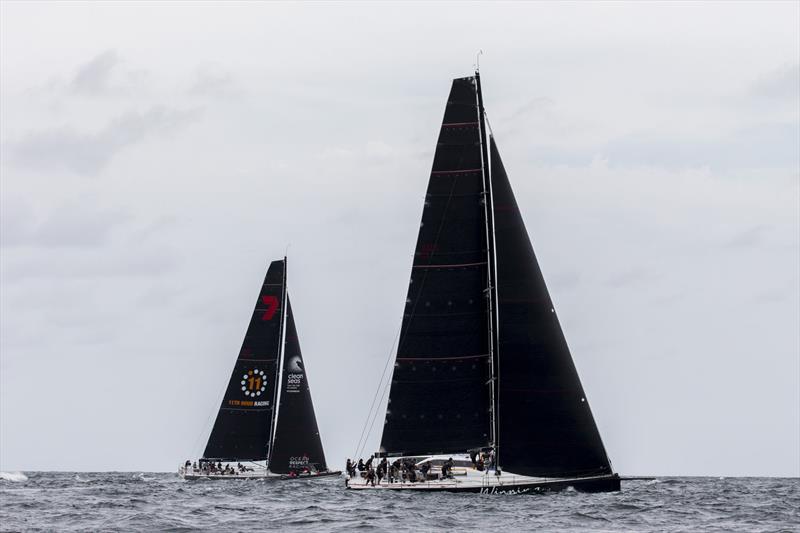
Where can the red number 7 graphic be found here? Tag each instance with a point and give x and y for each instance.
(272, 305)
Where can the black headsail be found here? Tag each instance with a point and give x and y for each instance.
(545, 424)
(297, 442)
(242, 428)
(440, 394)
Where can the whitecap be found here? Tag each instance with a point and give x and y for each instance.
(79, 479)
(16, 477)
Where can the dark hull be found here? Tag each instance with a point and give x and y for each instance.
(594, 484)
(610, 484)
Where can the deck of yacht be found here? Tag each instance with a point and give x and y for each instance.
(192, 474)
(470, 479)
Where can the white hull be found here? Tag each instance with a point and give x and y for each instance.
(468, 479)
(488, 484)
(191, 474)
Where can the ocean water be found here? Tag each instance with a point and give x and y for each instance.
(125, 501)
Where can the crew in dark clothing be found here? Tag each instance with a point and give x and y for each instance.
(368, 464)
(370, 477)
(361, 466)
(349, 468)
(424, 469)
(412, 472)
(447, 468)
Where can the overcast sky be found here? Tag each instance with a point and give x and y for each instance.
(156, 157)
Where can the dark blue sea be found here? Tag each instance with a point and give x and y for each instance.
(131, 501)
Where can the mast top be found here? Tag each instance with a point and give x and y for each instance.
(478, 61)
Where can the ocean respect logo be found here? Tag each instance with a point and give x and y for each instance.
(254, 383)
(298, 462)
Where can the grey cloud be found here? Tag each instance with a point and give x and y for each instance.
(769, 145)
(93, 77)
(156, 227)
(538, 104)
(629, 277)
(88, 153)
(71, 225)
(782, 83)
(93, 264)
(215, 82)
(773, 295)
(749, 237)
(566, 279)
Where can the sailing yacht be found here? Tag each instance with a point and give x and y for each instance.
(272, 429)
(484, 395)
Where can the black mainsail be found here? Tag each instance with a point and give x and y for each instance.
(297, 443)
(481, 359)
(242, 430)
(439, 398)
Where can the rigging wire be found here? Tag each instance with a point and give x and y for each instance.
(375, 416)
(208, 423)
(364, 438)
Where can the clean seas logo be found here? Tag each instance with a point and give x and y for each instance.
(254, 383)
(294, 374)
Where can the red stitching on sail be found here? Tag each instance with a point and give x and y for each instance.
(456, 124)
(450, 266)
(464, 171)
(443, 358)
(426, 250)
(272, 305)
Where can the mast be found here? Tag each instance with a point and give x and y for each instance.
(491, 297)
(279, 372)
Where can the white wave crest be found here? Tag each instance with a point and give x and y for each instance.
(16, 477)
(79, 479)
